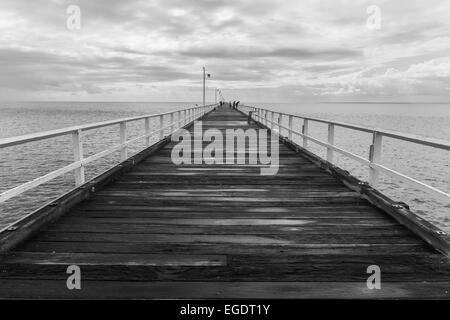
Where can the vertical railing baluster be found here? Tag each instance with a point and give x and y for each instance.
(279, 123)
(123, 140)
(78, 156)
(305, 132)
(147, 131)
(330, 142)
(161, 127)
(375, 157)
(290, 127)
(171, 123)
(272, 118)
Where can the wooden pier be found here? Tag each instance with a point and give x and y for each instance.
(151, 229)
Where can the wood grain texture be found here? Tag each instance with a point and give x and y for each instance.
(56, 289)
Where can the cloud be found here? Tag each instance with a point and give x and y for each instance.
(314, 48)
(232, 52)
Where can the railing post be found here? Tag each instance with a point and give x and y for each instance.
(375, 157)
(179, 119)
(290, 127)
(161, 127)
(305, 132)
(171, 123)
(271, 123)
(78, 156)
(279, 123)
(147, 131)
(123, 140)
(330, 142)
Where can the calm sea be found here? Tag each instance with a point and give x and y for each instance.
(23, 163)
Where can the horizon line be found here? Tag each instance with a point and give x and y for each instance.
(211, 102)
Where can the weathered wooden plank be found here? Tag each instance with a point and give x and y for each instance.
(127, 212)
(333, 210)
(229, 248)
(182, 195)
(116, 259)
(322, 222)
(260, 272)
(285, 239)
(224, 230)
(230, 290)
(240, 202)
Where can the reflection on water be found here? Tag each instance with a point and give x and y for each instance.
(23, 163)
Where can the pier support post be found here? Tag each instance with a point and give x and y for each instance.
(78, 156)
(123, 140)
(330, 142)
(147, 131)
(375, 157)
(305, 132)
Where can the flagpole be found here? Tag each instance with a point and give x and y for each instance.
(204, 75)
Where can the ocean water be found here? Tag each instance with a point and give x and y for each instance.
(20, 164)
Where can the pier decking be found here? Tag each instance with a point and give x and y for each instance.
(160, 230)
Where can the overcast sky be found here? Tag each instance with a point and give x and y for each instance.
(255, 50)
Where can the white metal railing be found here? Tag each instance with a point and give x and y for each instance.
(184, 116)
(273, 120)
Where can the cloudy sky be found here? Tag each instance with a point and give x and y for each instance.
(256, 50)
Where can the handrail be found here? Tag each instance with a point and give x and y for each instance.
(11, 141)
(374, 151)
(184, 116)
